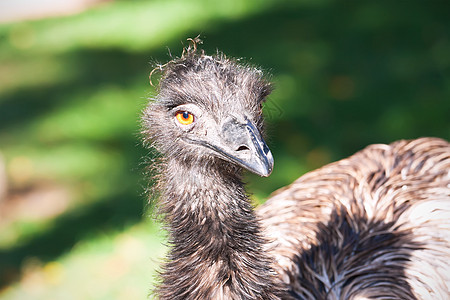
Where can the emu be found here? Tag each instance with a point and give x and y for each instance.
(375, 225)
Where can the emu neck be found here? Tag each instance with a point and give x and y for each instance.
(217, 250)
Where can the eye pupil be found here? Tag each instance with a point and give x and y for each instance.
(185, 115)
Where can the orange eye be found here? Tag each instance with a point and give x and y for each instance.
(184, 117)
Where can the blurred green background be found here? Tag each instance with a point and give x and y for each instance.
(74, 222)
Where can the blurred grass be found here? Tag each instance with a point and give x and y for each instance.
(117, 265)
(72, 88)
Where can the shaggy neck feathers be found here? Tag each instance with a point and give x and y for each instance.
(216, 244)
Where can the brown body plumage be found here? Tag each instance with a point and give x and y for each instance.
(375, 225)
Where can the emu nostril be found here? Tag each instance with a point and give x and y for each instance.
(242, 148)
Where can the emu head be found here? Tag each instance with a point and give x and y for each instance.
(208, 111)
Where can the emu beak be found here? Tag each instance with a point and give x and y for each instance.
(243, 145)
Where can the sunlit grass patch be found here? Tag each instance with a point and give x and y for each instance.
(110, 265)
(132, 25)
